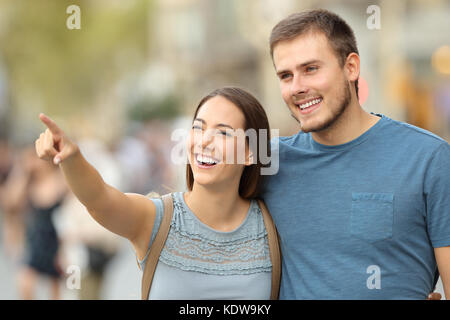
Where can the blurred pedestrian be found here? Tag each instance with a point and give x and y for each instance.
(40, 190)
(95, 245)
(12, 233)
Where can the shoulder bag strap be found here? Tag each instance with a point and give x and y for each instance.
(157, 246)
(274, 248)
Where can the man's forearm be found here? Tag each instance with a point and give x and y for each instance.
(443, 261)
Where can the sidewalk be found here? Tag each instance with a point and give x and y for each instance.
(122, 280)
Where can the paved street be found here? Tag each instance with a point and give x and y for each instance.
(122, 278)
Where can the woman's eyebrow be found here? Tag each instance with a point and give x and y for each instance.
(201, 120)
(224, 125)
(217, 125)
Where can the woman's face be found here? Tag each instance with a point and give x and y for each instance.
(216, 145)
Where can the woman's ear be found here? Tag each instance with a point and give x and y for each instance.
(249, 159)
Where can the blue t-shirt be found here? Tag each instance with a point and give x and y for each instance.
(360, 220)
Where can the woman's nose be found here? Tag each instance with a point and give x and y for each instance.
(207, 137)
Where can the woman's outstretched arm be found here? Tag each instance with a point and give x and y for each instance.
(126, 214)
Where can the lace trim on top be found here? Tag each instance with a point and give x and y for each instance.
(193, 246)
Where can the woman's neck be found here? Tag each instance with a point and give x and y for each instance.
(223, 210)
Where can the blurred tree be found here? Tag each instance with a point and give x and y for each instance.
(56, 70)
(147, 108)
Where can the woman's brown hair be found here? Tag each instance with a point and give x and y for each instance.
(255, 118)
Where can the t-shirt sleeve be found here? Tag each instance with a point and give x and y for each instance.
(158, 218)
(272, 168)
(437, 193)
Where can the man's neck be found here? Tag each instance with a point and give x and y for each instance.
(351, 124)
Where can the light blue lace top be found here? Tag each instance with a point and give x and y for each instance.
(198, 262)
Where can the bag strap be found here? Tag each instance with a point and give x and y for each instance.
(274, 248)
(157, 246)
(161, 236)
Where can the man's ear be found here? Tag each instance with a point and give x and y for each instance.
(351, 67)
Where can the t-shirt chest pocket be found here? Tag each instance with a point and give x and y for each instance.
(372, 216)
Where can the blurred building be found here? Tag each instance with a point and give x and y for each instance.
(205, 44)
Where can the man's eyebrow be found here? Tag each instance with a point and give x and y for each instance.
(218, 125)
(299, 66)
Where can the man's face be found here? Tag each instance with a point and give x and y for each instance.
(312, 82)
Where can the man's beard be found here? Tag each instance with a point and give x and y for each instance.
(343, 103)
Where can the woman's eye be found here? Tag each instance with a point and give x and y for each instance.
(196, 127)
(223, 133)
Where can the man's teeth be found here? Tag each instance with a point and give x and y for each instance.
(204, 159)
(308, 104)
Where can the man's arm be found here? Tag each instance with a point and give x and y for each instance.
(443, 261)
(436, 191)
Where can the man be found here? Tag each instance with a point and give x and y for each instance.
(361, 201)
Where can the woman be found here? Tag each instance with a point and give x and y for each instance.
(37, 188)
(45, 195)
(217, 245)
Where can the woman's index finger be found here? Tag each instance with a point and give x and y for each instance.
(51, 125)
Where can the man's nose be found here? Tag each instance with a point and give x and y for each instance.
(298, 86)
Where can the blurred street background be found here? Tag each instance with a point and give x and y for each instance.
(131, 72)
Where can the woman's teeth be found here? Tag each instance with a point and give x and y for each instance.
(310, 103)
(205, 160)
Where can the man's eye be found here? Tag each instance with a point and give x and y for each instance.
(284, 76)
(311, 68)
